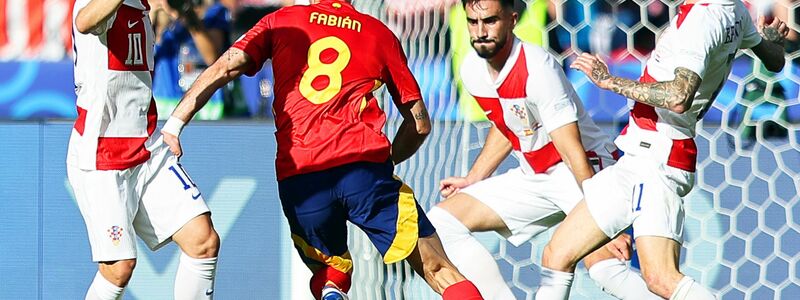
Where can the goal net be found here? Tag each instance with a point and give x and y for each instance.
(742, 231)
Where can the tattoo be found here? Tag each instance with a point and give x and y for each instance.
(421, 114)
(599, 71)
(669, 94)
(771, 34)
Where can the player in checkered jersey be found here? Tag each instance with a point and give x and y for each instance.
(125, 179)
(537, 117)
(683, 75)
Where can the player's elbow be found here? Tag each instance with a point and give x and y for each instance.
(681, 106)
(83, 26)
(423, 128)
(84, 23)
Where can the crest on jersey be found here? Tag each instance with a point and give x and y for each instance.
(115, 233)
(520, 112)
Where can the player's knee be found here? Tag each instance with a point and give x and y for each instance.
(656, 282)
(204, 246)
(118, 273)
(557, 260)
(595, 257)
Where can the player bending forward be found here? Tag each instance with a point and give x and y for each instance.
(334, 164)
(537, 115)
(680, 80)
(125, 179)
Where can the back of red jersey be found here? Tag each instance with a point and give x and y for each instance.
(327, 59)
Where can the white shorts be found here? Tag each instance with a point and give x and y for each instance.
(528, 204)
(642, 192)
(152, 200)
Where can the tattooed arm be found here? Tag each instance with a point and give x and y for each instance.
(233, 63)
(412, 132)
(770, 50)
(676, 95)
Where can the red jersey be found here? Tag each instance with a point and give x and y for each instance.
(327, 59)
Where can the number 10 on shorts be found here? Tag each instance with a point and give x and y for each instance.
(636, 197)
(185, 179)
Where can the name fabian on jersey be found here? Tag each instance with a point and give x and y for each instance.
(334, 21)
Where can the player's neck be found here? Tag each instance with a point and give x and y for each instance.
(690, 1)
(497, 62)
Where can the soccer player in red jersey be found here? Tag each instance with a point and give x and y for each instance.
(333, 163)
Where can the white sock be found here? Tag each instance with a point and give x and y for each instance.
(469, 256)
(195, 278)
(555, 285)
(616, 279)
(102, 289)
(689, 289)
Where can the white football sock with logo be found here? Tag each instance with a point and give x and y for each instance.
(195, 278)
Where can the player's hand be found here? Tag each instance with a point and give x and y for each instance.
(173, 142)
(595, 68)
(776, 31)
(620, 246)
(452, 185)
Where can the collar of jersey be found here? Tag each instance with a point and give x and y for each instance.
(344, 3)
(510, 62)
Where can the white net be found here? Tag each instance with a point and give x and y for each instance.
(742, 219)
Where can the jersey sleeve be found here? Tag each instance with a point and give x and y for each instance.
(552, 94)
(397, 76)
(698, 37)
(257, 43)
(751, 37)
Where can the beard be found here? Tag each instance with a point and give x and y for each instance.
(488, 48)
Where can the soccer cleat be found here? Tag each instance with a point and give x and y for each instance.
(332, 293)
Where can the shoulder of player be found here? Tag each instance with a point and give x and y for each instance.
(703, 15)
(538, 59)
(472, 65)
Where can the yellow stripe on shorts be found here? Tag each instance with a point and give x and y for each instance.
(342, 263)
(405, 238)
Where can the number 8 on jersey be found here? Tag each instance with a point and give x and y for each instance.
(317, 68)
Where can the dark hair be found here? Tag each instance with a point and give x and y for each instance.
(504, 3)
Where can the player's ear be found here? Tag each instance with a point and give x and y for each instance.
(514, 19)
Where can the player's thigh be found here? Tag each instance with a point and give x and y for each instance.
(658, 205)
(108, 203)
(612, 195)
(316, 218)
(527, 204)
(474, 214)
(577, 236)
(658, 260)
(384, 208)
(170, 200)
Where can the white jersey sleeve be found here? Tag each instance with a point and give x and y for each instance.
(750, 36)
(693, 51)
(551, 92)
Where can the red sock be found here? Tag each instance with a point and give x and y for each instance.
(328, 275)
(463, 290)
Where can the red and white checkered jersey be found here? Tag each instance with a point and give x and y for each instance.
(530, 98)
(113, 82)
(703, 37)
